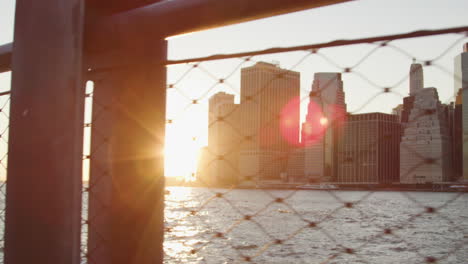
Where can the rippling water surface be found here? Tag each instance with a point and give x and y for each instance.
(315, 226)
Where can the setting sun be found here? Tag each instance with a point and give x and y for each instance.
(181, 154)
(323, 121)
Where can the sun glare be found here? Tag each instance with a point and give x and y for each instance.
(323, 121)
(180, 156)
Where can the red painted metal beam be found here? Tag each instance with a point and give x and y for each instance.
(45, 144)
(108, 7)
(127, 165)
(116, 29)
(5, 57)
(176, 17)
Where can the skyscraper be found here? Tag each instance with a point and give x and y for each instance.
(398, 111)
(295, 166)
(221, 155)
(457, 137)
(461, 84)
(425, 149)
(270, 119)
(323, 127)
(370, 149)
(416, 78)
(408, 103)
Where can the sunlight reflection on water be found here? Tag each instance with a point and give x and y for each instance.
(193, 223)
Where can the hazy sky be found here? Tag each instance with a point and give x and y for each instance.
(356, 19)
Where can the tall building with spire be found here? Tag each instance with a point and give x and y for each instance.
(425, 148)
(323, 127)
(426, 144)
(461, 92)
(416, 84)
(416, 78)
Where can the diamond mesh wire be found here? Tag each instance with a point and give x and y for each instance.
(86, 169)
(4, 125)
(232, 215)
(229, 212)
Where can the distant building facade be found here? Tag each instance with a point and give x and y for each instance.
(416, 78)
(457, 138)
(461, 84)
(408, 103)
(449, 116)
(269, 120)
(323, 126)
(221, 156)
(295, 167)
(203, 174)
(425, 149)
(370, 150)
(398, 111)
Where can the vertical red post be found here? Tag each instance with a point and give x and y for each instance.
(43, 202)
(126, 194)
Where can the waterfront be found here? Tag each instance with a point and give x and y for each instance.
(350, 226)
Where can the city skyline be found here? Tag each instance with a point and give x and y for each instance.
(417, 144)
(295, 29)
(394, 101)
(113, 151)
(414, 145)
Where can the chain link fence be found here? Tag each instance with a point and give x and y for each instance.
(350, 151)
(245, 198)
(386, 188)
(4, 124)
(86, 169)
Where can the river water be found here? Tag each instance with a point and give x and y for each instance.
(349, 226)
(204, 228)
